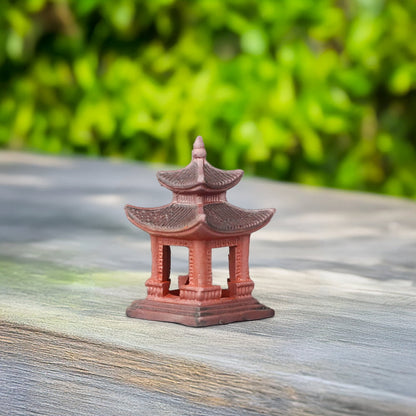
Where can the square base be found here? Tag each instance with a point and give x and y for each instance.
(223, 312)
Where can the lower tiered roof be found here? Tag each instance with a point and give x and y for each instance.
(221, 218)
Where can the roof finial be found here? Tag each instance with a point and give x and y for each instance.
(199, 148)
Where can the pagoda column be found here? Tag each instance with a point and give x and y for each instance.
(200, 286)
(159, 281)
(244, 248)
(202, 267)
(240, 283)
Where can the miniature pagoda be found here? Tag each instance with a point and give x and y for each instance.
(199, 218)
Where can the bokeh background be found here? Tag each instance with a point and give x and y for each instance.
(320, 92)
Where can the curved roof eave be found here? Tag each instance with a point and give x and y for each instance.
(195, 224)
(190, 179)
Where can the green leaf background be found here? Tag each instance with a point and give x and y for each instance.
(320, 92)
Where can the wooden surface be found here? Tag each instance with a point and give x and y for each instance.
(338, 268)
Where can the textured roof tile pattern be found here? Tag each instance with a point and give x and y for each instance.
(222, 217)
(172, 217)
(181, 179)
(227, 218)
(187, 178)
(221, 179)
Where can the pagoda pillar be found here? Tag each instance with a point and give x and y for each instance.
(201, 272)
(200, 286)
(244, 249)
(240, 283)
(159, 281)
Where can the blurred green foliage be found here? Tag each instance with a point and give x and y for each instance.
(321, 92)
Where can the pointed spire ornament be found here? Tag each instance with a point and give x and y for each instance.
(201, 219)
(199, 148)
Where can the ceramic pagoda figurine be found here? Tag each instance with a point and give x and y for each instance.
(199, 218)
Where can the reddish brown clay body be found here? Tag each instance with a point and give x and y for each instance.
(199, 218)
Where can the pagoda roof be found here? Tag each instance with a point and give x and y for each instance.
(199, 208)
(215, 218)
(199, 174)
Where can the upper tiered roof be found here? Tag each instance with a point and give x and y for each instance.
(199, 174)
(199, 208)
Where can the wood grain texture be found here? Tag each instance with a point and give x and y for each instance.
(77, 365)
(338, 268)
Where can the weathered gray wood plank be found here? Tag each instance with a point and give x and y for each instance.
(338, 267)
